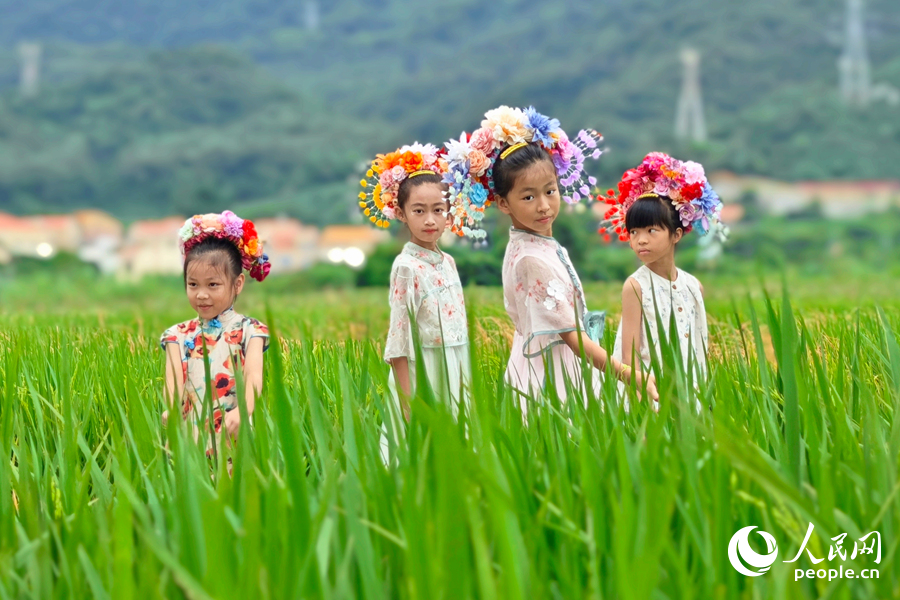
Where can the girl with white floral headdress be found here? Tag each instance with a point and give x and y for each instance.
(426, 295)
(524, 161)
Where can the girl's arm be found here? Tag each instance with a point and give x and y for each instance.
(253, 384)
(401, 376)
(599, 358)
(632, 312)
(174, 377)
(253, 372)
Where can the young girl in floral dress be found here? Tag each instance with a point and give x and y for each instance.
(530, 164)
(217, 248)
(425, 291)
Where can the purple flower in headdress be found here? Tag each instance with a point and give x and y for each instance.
(234, 225)
(688, 213)
(561, 163)
(543, 127)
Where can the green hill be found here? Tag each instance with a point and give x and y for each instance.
(175, 124)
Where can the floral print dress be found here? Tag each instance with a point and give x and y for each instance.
(425, 285)
(227, 338)
(543, 296)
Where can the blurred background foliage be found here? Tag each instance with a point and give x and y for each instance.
(156, 107)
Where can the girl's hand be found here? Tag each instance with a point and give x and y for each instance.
(639, 380)
(404, 406)
(233, 423)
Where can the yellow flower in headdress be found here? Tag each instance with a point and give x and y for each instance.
(376, 196)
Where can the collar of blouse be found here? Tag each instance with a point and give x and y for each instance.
(424, 254)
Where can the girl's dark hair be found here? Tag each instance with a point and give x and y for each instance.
(219, 253)
(410, 183)
(505, 169)
(653, 212)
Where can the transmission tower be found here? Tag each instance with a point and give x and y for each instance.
(689, 122)
(856, 77)
(29, 81)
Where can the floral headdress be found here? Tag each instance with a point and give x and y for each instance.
(471, 161)
(684, 183)
(382, 182)
(228, 226)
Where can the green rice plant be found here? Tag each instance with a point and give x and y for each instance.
(98, 499)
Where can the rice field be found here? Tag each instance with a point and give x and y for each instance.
(99, 500)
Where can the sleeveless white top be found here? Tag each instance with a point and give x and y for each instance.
(682, 298)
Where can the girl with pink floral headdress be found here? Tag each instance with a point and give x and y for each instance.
(525, 162)
(217, 248)
(426, 296)
(658, 202)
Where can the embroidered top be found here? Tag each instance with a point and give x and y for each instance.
(541, 291)
(425, 282)
(663, 298)
(227, 338)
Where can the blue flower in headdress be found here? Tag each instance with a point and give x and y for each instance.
(708, 200)
(478, 195)
(543, 126)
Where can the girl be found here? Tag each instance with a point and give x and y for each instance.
(425, 287)
(658, 202)
(529, 163)
(216, 249)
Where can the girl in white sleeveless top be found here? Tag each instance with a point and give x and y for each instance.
(659, 202)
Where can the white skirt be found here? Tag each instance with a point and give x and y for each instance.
(450, 381)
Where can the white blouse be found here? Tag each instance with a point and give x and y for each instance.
(425, 283)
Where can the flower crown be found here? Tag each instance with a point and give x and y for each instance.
(228, 226)
(684, 183)
(382, 182)
(471, 160)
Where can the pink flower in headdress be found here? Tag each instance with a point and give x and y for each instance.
(565, 148)
(693, 172)
(478, 163)
(234, 226)
(662, 186)
(210, 222)
(482, 140)
(389, 212)
(398, 173)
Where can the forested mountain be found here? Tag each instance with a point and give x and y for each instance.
(149, 107)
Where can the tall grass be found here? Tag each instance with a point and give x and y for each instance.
(577, 502)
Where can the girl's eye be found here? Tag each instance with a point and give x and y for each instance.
(528, 198)
(551, 192)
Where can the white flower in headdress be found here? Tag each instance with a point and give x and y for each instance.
(458, 151)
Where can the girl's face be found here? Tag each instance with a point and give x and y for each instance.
(209, 289)
(425, 213)
(654, 243)
(533, 201)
